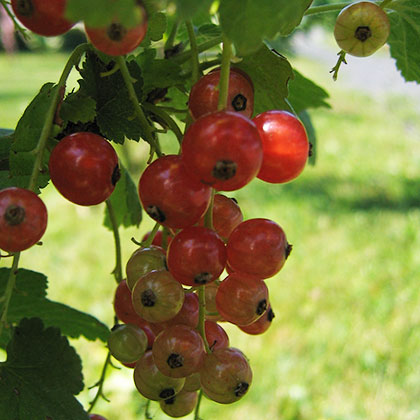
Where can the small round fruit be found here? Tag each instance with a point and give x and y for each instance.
(192, 382)
(153, 384)
(157, 296)
(117, 39)
(84, 168)
(285, 146)
(257, 247)
(204, 95)
(223, 150)
(43, 17)
(96, 417)
(216, 336)
(127, 342)
(180, 405)
(143, 261)
(178, 351)
(361, 28)
(23, 219)
(226, 375)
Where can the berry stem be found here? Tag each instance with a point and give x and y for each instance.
(185, 56)
(201, 316)
(147, 414)
(100, 384)
(145, 126)
(117, 272)
(315, 10)
(208, 217)
(9, 291)
(171, 37)
(197, 407)
(195, 65)
(336, 68)
(152, 235)
(18, 27)
(224, 74)
(58, 93)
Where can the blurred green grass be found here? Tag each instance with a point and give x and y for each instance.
(345, 343)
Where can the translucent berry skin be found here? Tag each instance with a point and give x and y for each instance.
(142, 261)
(216, 336)
(170, 195)
(192, 382)
(84, 168)
(43, 17)
(241, 299)
(261, 325)
(223, 150)
(23, 219)
(123, 305)
(127, 342)
(285, 146)
(361, 28)
(257, 247)
(96, 417)
(180, 405)
(204, 95)
(196, 256)
(226, 215)
(226, 375)
(153, 384)
(116, 39)
(157, 296)
(178, 351)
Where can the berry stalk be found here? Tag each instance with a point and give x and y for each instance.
(117, 272)
(224, 74)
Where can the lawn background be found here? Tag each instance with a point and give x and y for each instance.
(345, 343)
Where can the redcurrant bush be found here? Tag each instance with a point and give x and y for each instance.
(116, 39)
(285, 146)
(226, 375)
(361, 28)
(23, 219)
(84, 168)
(43, 17)
(204, 94)
(223, 149)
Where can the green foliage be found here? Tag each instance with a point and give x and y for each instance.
(403, 40)
(40, 383)
(29, 300)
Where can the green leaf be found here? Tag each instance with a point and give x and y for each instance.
(5, 144)
(4, 132)
(125, 202)
(156, 27)
(41, 375)
(247, 24)
(270, 73)
(187, 9)
(404, 38)
(304, 94)
(78, 108)
(29, 300)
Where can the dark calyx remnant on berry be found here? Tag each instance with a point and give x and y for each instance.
(224, 169)
(116, 32)
(171, 400)
(175, 360)
(203, 278)
(270, 315)
(116, 175)
(262, 306)
(156, 213)
(239, 102)
(363, 33)
(241, 389)
(25, 8)
(14, 215)
(167, 393)
(288, 251)
(148, 298)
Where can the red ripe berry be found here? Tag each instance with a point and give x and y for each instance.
(226, 215)
(180, 405)
(170, 195)
(285, 146)
(43, 17)
(116, 39)
(153, 384)
(258, 247)
(192, 382)
(157, 296)
(96, 417)
(123, 305)
(178, 351)
(204, 95)
(215, 335)
(261, 325)
(226, 375)
(241, 299)
(23, 219)
(196, 256)
(223, 150)
(84, 168)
